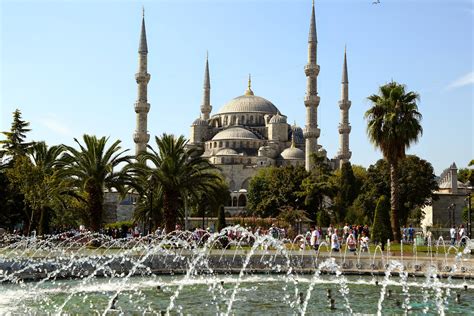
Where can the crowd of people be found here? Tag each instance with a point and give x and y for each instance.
(351, 235)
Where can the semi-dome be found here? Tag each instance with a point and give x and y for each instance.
(249, 103)
(293, 153)
(199, 122)
(278, 119)
(235, 133)
(226, 152)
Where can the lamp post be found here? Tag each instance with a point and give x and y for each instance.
(151, 180)
(186, 213)
(451, 209)
(469, 215)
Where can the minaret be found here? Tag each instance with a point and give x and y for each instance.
(141, 136)
(344, 153)
(311, 100)
(206, 107)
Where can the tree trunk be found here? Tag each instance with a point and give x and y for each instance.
(394, 196)
(170, 202)
(95, 200)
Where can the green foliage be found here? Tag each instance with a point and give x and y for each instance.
(14, 145)
(181, 174)
(273, 188)
(466, 174)
(381, 228)
(323, 219)
(91, 169)
(318, 187)
(416, 185)
(119, 225)
(347, 191)
(13, 210)
(393, 124)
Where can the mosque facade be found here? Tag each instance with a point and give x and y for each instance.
(249, 132)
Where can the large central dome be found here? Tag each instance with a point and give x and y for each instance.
(249, 104)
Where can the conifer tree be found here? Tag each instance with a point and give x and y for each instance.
(381, 229)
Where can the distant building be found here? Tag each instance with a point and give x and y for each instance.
(446, 210)
(117, 209)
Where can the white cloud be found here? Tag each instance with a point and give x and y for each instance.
(56, 125)
(465, 80)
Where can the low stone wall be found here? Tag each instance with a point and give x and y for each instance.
(305, 262)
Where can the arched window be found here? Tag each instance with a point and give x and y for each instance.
(242, 200)
(251, 119)
(234, 201)
(242, 120)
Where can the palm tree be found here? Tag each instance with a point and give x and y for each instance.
(92, 169)
(46, 160)
(180, 172)
(393, 124)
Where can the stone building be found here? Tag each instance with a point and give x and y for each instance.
(249, 132)
(446, 210)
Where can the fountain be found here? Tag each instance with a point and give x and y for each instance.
(175, 273)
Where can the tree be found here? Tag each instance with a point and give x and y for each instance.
(393, 125)
(347, 190)
(318, 188)
(381, 227)
(180, 172)
(13, 210)
(91, 170)
(417, 182)
(273, 188)
(14, 145)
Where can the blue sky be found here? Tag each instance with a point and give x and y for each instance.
(69, 65)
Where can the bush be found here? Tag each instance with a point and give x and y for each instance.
(119, 225)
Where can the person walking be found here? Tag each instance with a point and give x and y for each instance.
(452, 234)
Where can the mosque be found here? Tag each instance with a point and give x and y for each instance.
(249, 132)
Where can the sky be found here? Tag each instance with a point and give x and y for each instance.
(69, 66)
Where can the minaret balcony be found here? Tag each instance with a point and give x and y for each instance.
(344, 129)
(142, 107)
(311, 132)
(344, 105)
(141, 137)
(344, 154)
(206, 108)
(311, 70)
(142, 77)
(311, 100)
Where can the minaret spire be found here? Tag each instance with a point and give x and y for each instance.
(206, 107)
(344, 153)
(311, 101)
(142, 107)
(249, 87)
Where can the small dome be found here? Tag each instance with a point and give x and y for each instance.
(226, 152)
(199, 122)
(278, 119)
(293, 153)
(249, 104)
(235, 133)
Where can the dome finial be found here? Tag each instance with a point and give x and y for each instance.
(143, 11)
(249, 89)
(293, 140)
